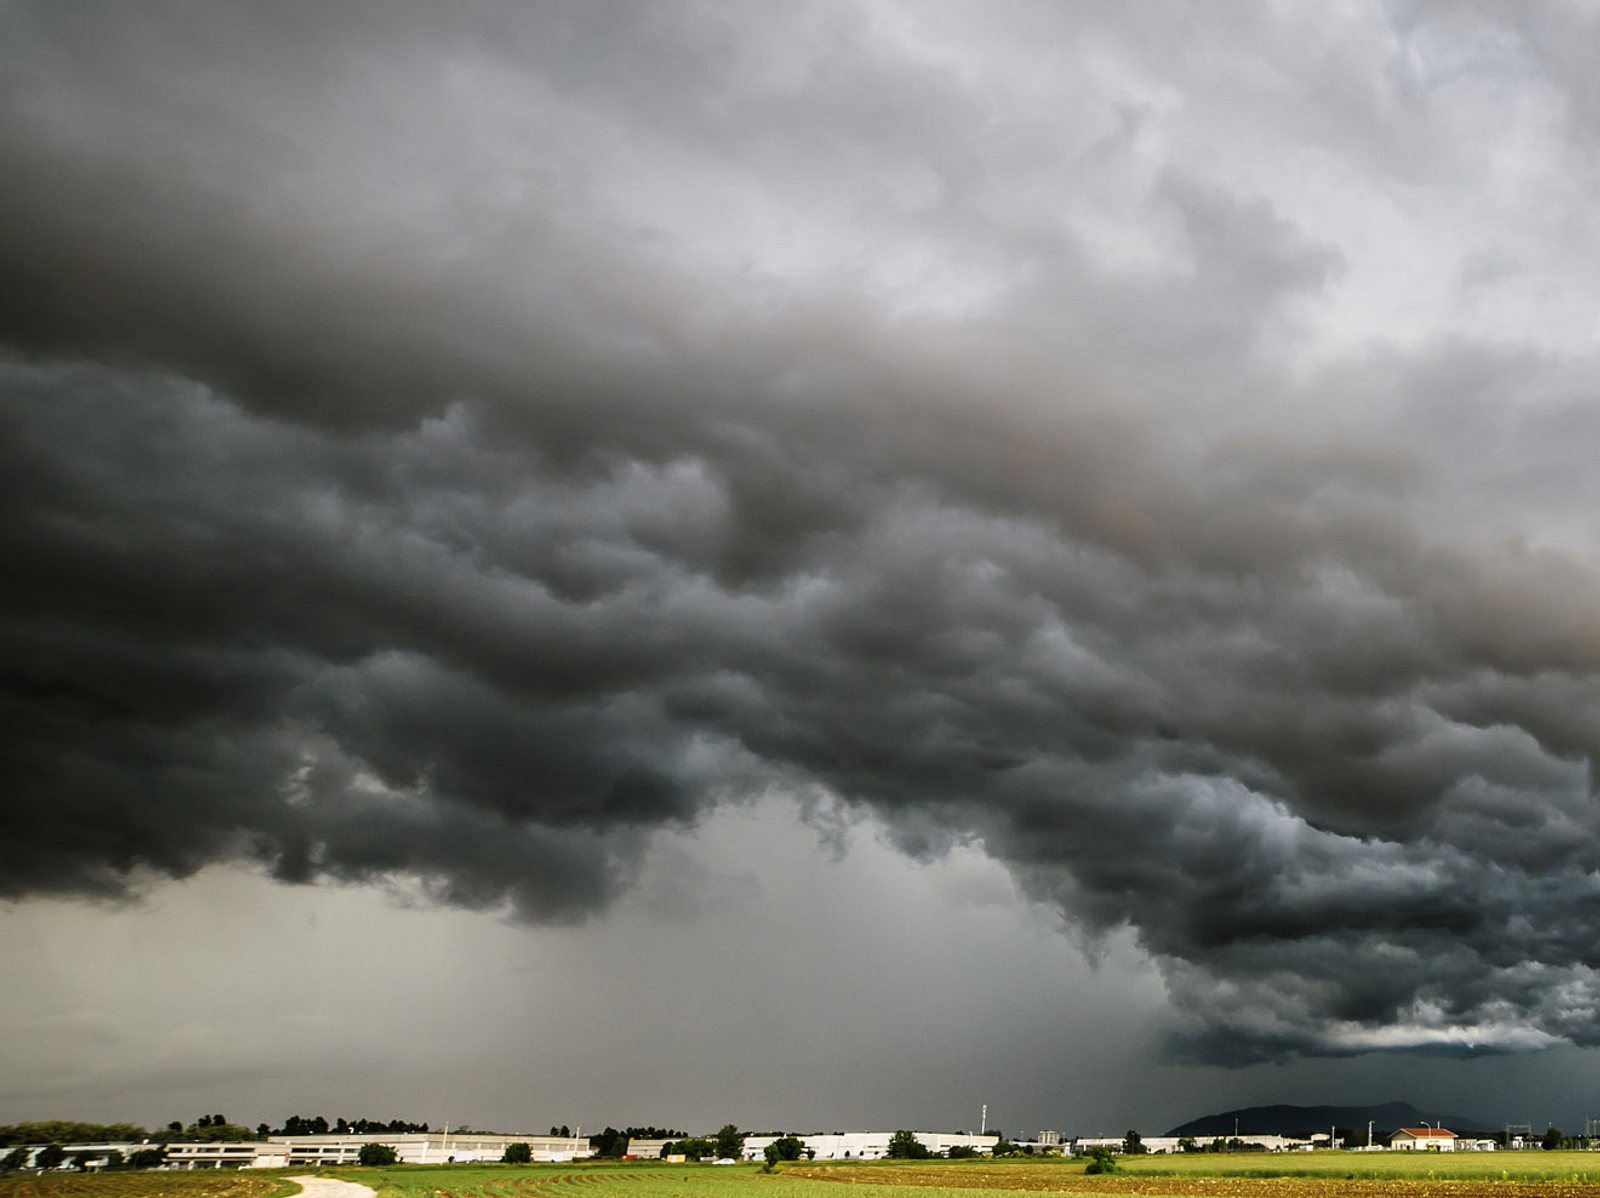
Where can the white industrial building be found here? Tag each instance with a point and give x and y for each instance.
(95, 1156)
(648, 1150)
(412, 1148)
(835, 1146)
(870, 1145)
(228, 1154)
(1083, 1145)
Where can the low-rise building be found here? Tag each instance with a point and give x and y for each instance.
(871, 1145)
(412, 1148)
(92, 1156)
(1429, 1139)
(1083, 1145)
(228, 1154)
(430, 1148)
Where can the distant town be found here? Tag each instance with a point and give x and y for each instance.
(212, 1142)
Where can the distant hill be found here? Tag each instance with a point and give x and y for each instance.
(1307, 1120)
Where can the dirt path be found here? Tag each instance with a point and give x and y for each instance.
(326, 1187)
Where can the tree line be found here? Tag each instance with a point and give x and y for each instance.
(727, 1144)
(202, 1129)
(316, 1125)
(66, 1131)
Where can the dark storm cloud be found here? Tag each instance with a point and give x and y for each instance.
(453, 449)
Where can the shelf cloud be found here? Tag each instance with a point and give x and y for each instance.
(454, 446)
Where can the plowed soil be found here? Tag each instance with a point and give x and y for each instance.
(1064, 1181)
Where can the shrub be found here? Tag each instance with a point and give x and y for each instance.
(904, 1145)
(377, 1154)
(1101, 1160)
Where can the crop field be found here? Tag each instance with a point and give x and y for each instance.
(206, 1183)
(1484, 1166)
(597, 1181)
(1321, 1175)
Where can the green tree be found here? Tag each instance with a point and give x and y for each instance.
(693, 1148)
(771, 1153)
(67, 1131)
(1554, 1138)
(959, 1152)
(148, 1158)
(790, 1148)
(610, 1143)
(904, 1145)
(1132, 1145)
(1101, 1160)
(50, 1156)
(15, 1159)
(730, 1142)
(377, 1154)
(517, 1154)
(207, 1129)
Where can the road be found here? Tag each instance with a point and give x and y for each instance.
(326, 1187)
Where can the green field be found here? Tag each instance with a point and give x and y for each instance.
(1260, 1175)
(667, 1181)
(1324, 1175)
(1488, 1166)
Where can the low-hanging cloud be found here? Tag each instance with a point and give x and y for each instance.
(435, 449)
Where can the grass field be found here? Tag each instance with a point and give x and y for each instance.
(1489, 1166)
(1318, 1175)
(667, 1181)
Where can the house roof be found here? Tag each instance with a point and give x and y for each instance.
(1426, 1133)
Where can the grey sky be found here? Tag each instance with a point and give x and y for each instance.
(471, 468)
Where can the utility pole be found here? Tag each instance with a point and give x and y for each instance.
(1369, 1135)
(983, 1123)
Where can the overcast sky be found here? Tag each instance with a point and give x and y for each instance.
(818, 564)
